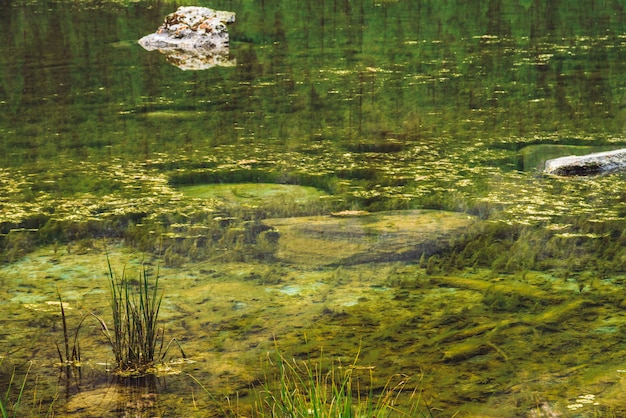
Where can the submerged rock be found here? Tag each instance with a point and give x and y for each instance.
(193, 38)
(377, 237)
(587, 165)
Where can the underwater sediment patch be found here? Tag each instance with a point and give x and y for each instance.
(363, 238)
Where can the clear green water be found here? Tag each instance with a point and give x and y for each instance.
(379, 105)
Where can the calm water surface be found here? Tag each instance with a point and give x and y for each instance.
(370, 105)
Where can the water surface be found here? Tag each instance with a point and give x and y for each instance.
(377, 105)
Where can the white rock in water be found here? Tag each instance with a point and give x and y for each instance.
(193, 16)
(193, 37)
(586, 165)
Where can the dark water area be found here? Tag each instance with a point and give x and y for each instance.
(401, 104)
(386, 164)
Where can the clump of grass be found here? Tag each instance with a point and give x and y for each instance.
(327, 389)
(305, 389)
(137, 341)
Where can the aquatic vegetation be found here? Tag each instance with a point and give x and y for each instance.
(136, 333)
(380, 109)
(6, 404)
(312, 388)
(447, 324)
(18, 242)
(13, 401)
(327, 388)
(71, 358)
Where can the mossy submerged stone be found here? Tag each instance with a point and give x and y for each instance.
(377, 237)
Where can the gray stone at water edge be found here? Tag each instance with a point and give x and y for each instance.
(586, 165)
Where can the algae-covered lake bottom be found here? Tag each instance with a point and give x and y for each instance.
(365, 179)
(473, 341)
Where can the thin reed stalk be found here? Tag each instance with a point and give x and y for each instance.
(71, 358)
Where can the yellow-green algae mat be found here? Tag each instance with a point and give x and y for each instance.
(486, 344)
(254, 193)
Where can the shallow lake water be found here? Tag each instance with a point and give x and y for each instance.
(364, 178)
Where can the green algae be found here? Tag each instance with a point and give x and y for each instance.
(227, 315)
(518, 312)
(270, 198)
(253, 193)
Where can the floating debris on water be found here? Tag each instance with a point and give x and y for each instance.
(582, 401)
